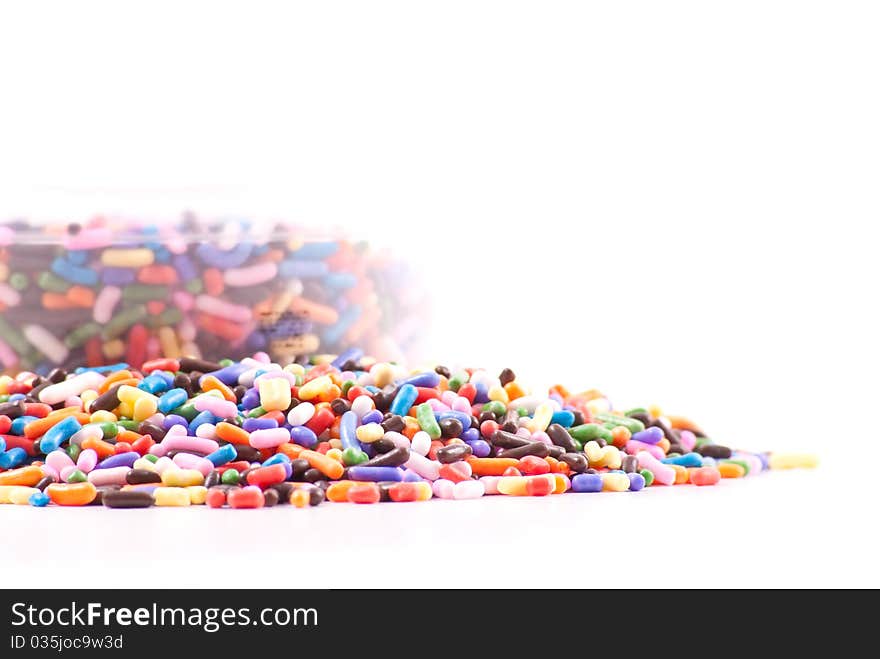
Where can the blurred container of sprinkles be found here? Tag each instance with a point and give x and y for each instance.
(112, 290)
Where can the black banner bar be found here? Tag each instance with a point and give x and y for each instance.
(253, 622)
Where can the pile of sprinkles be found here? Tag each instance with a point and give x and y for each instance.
(340, 428)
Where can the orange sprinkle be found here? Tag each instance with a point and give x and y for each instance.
(212, 383)
(80, 296)
(102, 448)
(40, 427)
(233, 434)
(513, 390)
(112, 379)
(491, 466)
(730, 470)
(327, 466)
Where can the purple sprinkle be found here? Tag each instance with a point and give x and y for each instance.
(373, 416)
(303, 436)
(185, 268)
(480, 448)
(470, 435)
(126, 459)
(250, 425)
(117, 276)
(174, 420)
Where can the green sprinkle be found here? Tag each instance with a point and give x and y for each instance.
(496, 407)
(144, 293)
(427, 422)
(612, 420)
(123, 320)
(590, 431)
(81, 334)
(109, 428)
(230, 477)
(254, 413)
(18, 281)
(188, 411)
(353, 456)
(458, 379)
(12, 336)
(52, 283)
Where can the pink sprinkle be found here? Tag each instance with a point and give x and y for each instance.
(633, 446)
(269, 437)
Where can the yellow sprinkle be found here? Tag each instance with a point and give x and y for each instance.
(197, 494)
(172, 496)
(127, 258)
(793, 461)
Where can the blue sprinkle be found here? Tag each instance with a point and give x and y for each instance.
(404, 400)
(72, 273)
(228, 453)
(77, 257)
(340, 280)
(346, 319)
(275, 459)
(302, 269)
(316, 251)
(200, 419)
(102, 369)
(38, 499)
(17, 427)
(352, 354)
(564, 418)
(59, 433)
(153, 384)
(426, 379)
(12, 458)
(686, 460)
(172, 399)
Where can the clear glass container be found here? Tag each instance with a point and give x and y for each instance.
(112, 290)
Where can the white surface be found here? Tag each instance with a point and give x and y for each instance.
(673, 202)
(786, 529)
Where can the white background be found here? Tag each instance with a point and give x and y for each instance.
(674, 202)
